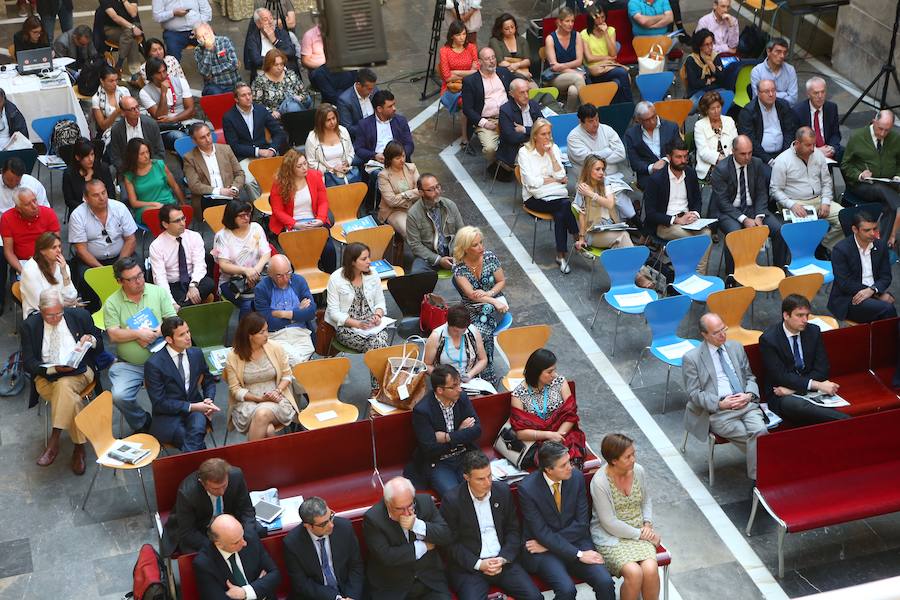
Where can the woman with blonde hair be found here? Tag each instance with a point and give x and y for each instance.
(478, 276)
(565, 54)
(329, 149)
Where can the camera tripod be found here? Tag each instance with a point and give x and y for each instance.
(437, 26)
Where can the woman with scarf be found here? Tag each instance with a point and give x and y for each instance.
(703, 67)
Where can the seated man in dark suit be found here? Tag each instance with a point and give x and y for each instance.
(516, 119)
(446, 425)
(556, 520)
(372, 135)
(795, 362)
(233, 562)
(180, 388)
(741, 197)
(14, 118)
(821, 116)
(401, 533)
(768, 122)
(482, 516)
(862, 275)
(322, 557)
(213, 489)
(355, 103)
(646, 141)
(264, 24)
(483, 93)
(245, 126)
(672, 199)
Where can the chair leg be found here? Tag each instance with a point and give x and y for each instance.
(46, 424)
(146, 499)
(710, 460)
(437, 116)
(753, 508)
(665, 582)
(494, 180)
(666, 397)
(615, 333)
(516, 212)
(637, 366)
(596, 311)
(684, 442)
(90, 487)
(533, 240)
(781, 531)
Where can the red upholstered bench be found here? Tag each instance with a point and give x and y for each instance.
(812, 477)
(850, 354)
(884, 350)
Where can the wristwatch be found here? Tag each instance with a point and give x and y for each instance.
(579, 555)
(192, 284)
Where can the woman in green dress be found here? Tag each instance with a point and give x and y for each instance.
(622, 522)
(148, 181)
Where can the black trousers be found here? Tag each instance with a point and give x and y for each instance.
(179, 290)
(84, 290)
(513, 580)
(885, 195)
(802, 412)
(870, 310)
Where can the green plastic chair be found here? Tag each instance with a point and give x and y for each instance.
(543, 90)
(741, 97)
(445, 273)
(208, 324)
(595, 252)
(104, 284)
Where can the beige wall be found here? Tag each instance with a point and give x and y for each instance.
(862, 42)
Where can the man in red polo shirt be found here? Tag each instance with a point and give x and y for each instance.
(21, 226)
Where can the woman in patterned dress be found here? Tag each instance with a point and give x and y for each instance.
(478, 276)
(279, 88)
(622, 522)
(543, 407)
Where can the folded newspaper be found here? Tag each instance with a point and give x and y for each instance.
(503, 470)
(74, 359)
(127, 452)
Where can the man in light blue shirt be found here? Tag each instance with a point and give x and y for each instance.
(649, 17)
(178, 18)
(776, 69)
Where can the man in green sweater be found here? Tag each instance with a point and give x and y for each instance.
(874, 152)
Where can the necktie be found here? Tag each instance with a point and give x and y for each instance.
(53, 345)
(742, 189)
(557, 497)
(239, 579)
(330, 581)
(736, 387)
(820, 141)
(183, 275)
(798, 360)
(218, 506)
(183, 376)
(878, 146)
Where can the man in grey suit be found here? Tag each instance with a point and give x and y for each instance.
(723, 397)
(132, 125)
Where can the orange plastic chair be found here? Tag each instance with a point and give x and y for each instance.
(377, 239)
(598, 94)
(807, 286)
(264, 170)
(643, 43)
(744, 245)
(344, 201)
(322, 380)
(674, 110)
(213, 217)
(732, 304)
(518, 343)
(304, 249)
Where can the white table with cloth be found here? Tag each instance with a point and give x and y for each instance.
(37, 100)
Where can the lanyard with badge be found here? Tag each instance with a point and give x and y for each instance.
(542, 413)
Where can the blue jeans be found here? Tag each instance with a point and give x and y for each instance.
(169, 137)
(620, 76)
(211, 89)
(176, 42)
(352, 177)
(245, 305)
(446, 475)
(331, 83)
(127, 380)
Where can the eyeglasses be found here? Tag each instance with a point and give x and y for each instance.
(455, 386)
(325, 524)
(180, 219)
(108, 239)
(244, 214)
(137, 277)
(52, 315)
(434, 188)
(286, 274)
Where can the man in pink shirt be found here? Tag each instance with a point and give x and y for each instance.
(312, 55)
(483, 93)
(178, 259)
(723, 26)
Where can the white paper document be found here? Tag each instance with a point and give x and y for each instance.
(676, 351)
(693, 285)
(479, 386)
(809, 269)
(385, 322)
(381, 408)
(291, 514)
(514, 382)
(822, 325)
(820, 399)
(326, 415)
(699, 224)
(636, 299)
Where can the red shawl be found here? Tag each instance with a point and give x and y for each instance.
(567, 413)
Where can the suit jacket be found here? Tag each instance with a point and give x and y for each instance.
(640, 156)
(427, 419)
(459, 512)
(198, 175)
(750, 123)
(165, 388)
(15, 119)
(700, 382)
(349, 110)
(847, 267)
(367, 137)
(831, 128)
(563, 532)
(79, 322)
(392, 566)
(282, 216)
(117, 141)
(656, 196)
(510, 139)
(861, 155)
(473, 96)
(305, 569)
(253, 59)
(725, 188)
(186, 528)
(211, 571)
(778, 361)
(245, 142)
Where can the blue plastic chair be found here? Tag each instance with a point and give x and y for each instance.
(686, 254)
(183, 145)
(622, 265)
(563, 125)
(802, 239)
(654, 86)
(43, 127)
(727, 99)
(504, 324)
(663, 316)
(618, 116)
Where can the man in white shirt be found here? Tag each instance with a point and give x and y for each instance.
(178, 18)
(178, 259)
(355, 103)
(169, 101)
(14, 176)
(723, 396)
(213, 172)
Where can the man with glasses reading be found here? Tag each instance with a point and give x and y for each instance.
(431, 226)
(723, 396)
(401, 533)
(178, 259)
(322, 557)
(284, 299)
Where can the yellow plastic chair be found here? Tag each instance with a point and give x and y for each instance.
(95, 422)
(537, 216)
(643, 43)
(213, 216)
(322, 379)
(304, 249)
(264, 170)
(543, 90)
(377, 239)
(732, 304)
(344, 201)
(741, 97)
(598, 94)
(518, 343)
(760, 7)
(104, 284)
(744, 245)
(263, 205)
(377, 359)
(676, 111)
(807, 286)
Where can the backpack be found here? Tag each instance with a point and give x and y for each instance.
(88, 80)
(151, 582)
(65, 133)
(752, 42)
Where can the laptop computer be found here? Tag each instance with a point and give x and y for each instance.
(34, 61)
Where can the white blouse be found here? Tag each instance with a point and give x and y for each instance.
(303, 204)
(34, 282)
(534, 167)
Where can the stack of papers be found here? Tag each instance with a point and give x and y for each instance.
(809, 269)
(677, 350)
(478, 386)
(503, 470)
(122, 452)
(216, 360)
(790, 217)
(822, 325)
(693, 285)
(699, 224)
(381, 408)
(820, 399)
(385, 322)
(635, 299)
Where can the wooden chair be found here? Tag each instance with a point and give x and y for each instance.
(263, 205)
(732, 304)
(303, 249)
(16, 290)
(676, 111)
(95, 422)
(744, 245)
(264, 170)
(12, 52)
(643, 43)
(760, 8)
(518, 344)
(377, 359)
(213, 217)
(377, 239)
(807, 286)
(322, 379)
(537, 216)
(598, 94)
(344, 201)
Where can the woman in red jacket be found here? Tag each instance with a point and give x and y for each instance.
(299, 202)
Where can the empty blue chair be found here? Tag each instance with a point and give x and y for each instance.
(727, 99)
(562, 126)
(686, 254)
(654, 86)
(802, 239)
(183, 145)
(664, 316)
(618, 116)
(622, 265)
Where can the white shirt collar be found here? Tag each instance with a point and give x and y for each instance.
(476, 500)
(867, 248)
(787, 331)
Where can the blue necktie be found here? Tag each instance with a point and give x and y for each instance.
(218, 506)
(736, 387)
(330, 581)
(798, 359)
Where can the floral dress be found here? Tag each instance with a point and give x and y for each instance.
(484, 316)
(361, 311)
(272, 94)
(628, 510)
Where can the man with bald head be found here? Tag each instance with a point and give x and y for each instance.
(874, 152)
(216, 60)
(769, 123)
(401, 533)
(22, 225)
(133, 125)
(723, 396)
(483, 93)
(284, 299)
(516, 118)
(234, 565)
